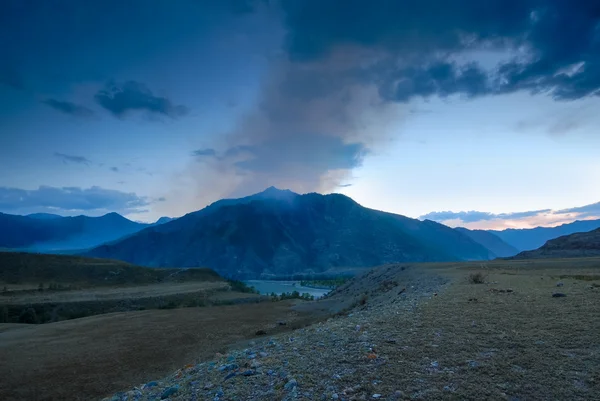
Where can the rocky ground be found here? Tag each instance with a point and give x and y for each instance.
(402, 332)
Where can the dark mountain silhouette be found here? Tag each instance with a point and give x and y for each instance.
(532, 238)
(491, 241)
(568, 246)
(279, 232)
(56, 234)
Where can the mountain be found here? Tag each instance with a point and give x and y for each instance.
(491, 241)
(279, 232)
(44, 216)
(56, 234)
(526, 239)
(163, 220)
(568, 246)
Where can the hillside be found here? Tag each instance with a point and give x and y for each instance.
(279, 233)
(20, 268)
(52, 233)
(491, 241)
(527, 239)
(569, 246)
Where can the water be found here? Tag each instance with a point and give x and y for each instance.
(278, 287)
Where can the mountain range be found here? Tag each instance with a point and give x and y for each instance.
(583, 244)
(43, 232)
(526, 239)
(278, 232)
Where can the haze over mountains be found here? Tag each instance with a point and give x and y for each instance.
(277, 232)
(43, 232)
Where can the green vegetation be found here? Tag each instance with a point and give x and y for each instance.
(240, 286)
(329, 283)
(291, 295)
(21, 268)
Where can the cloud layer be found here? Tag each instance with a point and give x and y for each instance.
(70, 200)
(529, 219)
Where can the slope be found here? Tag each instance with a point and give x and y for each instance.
(532, 238)
(584, 244)
(280, 233)
(491, 241)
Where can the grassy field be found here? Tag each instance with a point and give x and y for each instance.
(507, 338)
(84, 359)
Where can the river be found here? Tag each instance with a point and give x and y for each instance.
(278, 287)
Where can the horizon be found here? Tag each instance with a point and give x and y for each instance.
(493, 222)
(221, 99)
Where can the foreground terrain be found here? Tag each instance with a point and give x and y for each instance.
(422, 332)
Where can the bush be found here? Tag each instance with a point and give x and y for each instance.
(28, 316)
(240, 286)
(477, 278)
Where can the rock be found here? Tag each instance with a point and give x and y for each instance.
(249, 372)
(169, 392)
(281, 323)
(290, 385)
(261, 333)
(207, 386)
(560, 284)
(335, 396)
(391, 341)
(230, 375)
(150, 385)
(558, 295)
(376, 396)
(252, 356)
(263, 354)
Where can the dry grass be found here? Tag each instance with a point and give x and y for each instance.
(471, 342)
(87, 358)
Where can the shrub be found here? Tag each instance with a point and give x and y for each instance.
(477, 278)
(240, 286)
(28, 316)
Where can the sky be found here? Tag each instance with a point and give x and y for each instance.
(481, 114)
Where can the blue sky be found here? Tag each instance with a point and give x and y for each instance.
(161, 110)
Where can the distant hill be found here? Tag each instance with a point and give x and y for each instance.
(44, 216)
(21, 267)
(278, 232)
(51, 233)
(532, 238)
(164, 220)
(584, 244)
(491, 241)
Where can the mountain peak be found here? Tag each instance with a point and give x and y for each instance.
(275, 190)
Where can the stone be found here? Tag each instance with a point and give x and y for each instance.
(290, 385)
(560, 284)
(558, 295)
(261, 333)
(376, 396)
(169, 392)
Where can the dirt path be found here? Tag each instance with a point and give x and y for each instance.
(88, 358)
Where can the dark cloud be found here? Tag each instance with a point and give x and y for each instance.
(129, 96)
(474, 216)
(68, 200)
(72, 158)
(344, 185)
(204, 152)
(68, 108)
(554, 44)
